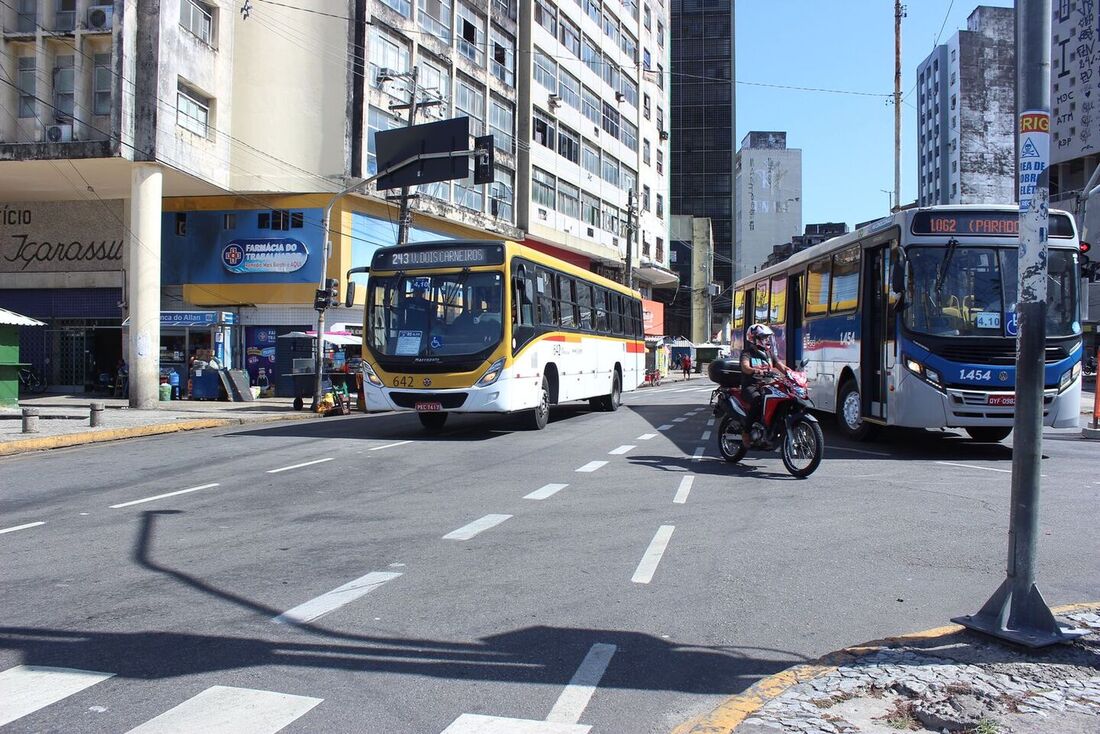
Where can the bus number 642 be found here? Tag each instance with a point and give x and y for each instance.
(402, 381)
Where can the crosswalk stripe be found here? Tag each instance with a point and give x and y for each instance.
(227, 710)
(335, 599)
(25, 689)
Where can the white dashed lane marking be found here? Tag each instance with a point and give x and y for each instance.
(476, 527)
(23, 527)
(684, 490)
(973, 466)
(338, 597)
(645, 436)
(298, 466)
(665, 427)
(592, 466)
(698, 453)
(705, 436)
(622, 449)
(652, 557)
(166, 494)
(548, 491)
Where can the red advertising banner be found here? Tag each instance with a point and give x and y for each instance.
(653, 318)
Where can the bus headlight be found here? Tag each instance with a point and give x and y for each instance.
(932, 375)
(1071, 374)
(491, 374)
(914, 366)
(925, 373)
(371, 377)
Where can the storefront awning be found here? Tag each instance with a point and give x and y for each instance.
(11, 318)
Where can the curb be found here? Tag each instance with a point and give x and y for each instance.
(11, 448)
(732, 712)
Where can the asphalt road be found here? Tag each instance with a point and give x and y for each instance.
(356, 575)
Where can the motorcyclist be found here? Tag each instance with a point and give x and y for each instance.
(758, 361)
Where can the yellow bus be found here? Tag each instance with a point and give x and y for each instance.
(465, 326)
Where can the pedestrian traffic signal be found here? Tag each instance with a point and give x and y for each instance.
(332, 292)
(483, 160)
(320, 299)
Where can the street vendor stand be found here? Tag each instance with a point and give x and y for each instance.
(295, 362)
(10, 323)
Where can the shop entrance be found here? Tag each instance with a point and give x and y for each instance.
(80, 354)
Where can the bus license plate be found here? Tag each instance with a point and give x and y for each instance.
(428, 407)
(1002, 400)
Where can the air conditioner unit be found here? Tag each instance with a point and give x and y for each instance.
(619, 96)
(591, 232)
(554, 101)
(542, 214)
(59, 133)
(664, 134)
(101, 17)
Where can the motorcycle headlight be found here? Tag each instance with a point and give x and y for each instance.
(492, 373)
(371, 377)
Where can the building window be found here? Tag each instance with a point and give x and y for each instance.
(660, 161)
(543, 128)
(610, 170)
(501, 193)
(646, 152)
(591, 106)
(645, 198)
(952, 78)
(590, 159)
(434, 78)
(198, 20)
(569, 145)
(611, 27)
(501, 124)
(660, 206)
(26, 18)
(471, 35)
(542, 188)
(470, 101)
(647, 16)
(660, 77)
(404, 7)
(629, 46)
(546, 71)
(101, 85)
(592, 8)
(660, 34)
(647, 60)
(590, 55)
(571, 37)
(504, 57)
(660, 250)
(469, 195)
(610, 73)
(629, 179)
(192, 111)
(65, 15)
(611, 218)
(27, 87)
(390, 53)
(610, 120)
(630, 91)
(569, 201)
(434, 16)
(569, 89)
(546, 15)
(629, 136)
(63, 89)
(645, 106)
(376, 120)
(590, 209)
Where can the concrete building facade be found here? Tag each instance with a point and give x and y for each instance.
(769, 198)
(966, 112)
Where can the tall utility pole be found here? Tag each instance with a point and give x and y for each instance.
(406, 214)
(899, 13)
(733, 162)
(631, 226)
(1017, 611)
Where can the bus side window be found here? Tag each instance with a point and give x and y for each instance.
(616, 314)
(636, 310)
(584, 303)
(601, 310)
(817, 287)
(568, 301)
(544, 295)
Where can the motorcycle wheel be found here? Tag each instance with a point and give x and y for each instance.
(729, 441)
(803, 447)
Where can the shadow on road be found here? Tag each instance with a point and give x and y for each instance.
(536, 653)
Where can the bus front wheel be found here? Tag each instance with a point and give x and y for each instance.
(613, 399)
(849, 414)
(989, 434)
(540, 416)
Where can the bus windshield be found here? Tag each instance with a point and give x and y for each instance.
(972, 291)
(457, 314)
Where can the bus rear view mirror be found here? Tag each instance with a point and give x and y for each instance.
(349, 299)
(897, 276)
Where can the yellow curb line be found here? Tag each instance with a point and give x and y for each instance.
(732, 712)
(9, 448)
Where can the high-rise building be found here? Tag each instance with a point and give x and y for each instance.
(703, 136)
(1075, 100)
(966, 112)
(769, 197)
(593, 138)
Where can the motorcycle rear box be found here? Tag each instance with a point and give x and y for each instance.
(725, 372)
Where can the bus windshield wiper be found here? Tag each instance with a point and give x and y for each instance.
(941, 272)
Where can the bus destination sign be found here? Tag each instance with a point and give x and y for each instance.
(459, 255)
(982, 224)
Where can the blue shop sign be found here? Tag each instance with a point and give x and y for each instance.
(197, 318)
(264, 255)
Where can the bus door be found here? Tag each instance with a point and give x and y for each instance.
(794, 320)
(875, 339)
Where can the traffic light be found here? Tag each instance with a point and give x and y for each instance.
(483, 163)
(320, 299)
(332, 292)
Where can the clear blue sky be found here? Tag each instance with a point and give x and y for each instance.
(847, 141)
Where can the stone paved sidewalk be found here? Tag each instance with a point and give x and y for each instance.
(953, 681)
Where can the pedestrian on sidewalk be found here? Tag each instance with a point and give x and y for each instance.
(686, 364)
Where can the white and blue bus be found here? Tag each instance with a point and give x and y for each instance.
(911, 321)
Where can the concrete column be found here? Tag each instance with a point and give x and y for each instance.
(143, 284)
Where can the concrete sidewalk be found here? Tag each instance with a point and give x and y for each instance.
(947, 679)
(64, 419)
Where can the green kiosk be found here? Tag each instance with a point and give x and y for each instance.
(10, 323)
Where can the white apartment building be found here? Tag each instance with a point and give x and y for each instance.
(592, 130)
(768, 177)
(966, 97)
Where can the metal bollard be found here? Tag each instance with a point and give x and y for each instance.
(96, 417)
(30, 420)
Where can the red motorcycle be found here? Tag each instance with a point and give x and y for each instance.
(787, 424)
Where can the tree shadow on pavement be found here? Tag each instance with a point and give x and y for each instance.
(537, 653)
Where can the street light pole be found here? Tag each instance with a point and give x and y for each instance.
(1017, 611)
